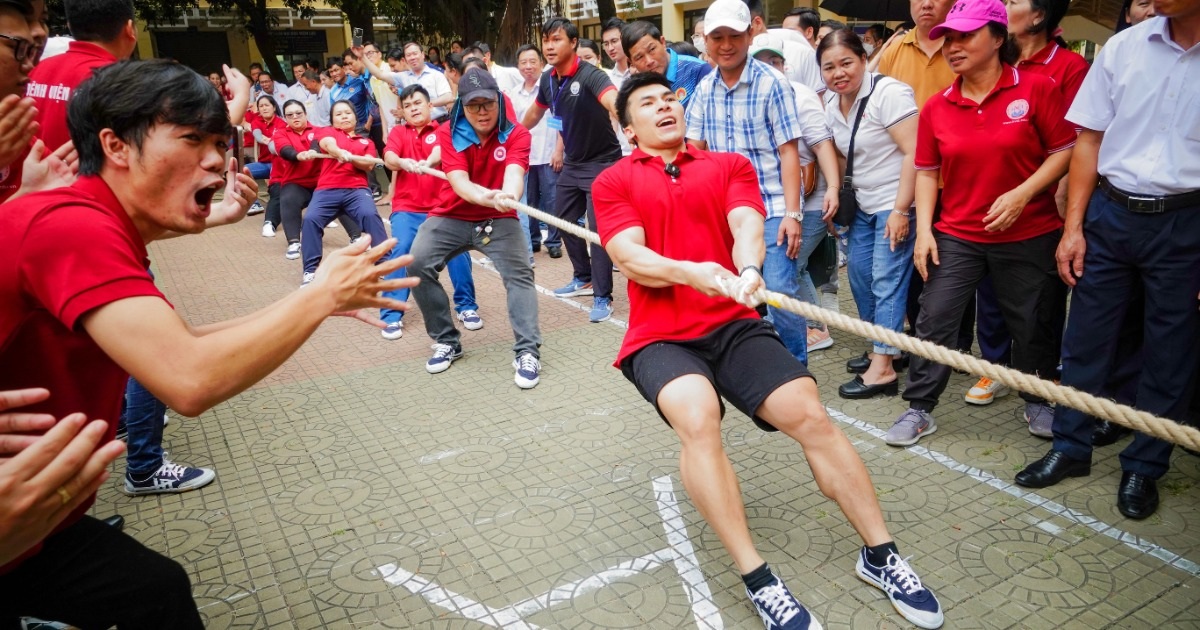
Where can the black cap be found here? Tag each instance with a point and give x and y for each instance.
(475, 83)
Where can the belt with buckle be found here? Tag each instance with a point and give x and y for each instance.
(1144, 204)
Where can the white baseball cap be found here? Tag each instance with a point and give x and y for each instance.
(766, 41)
(732, 14)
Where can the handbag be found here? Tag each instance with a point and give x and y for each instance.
(847, 202)
(823, 261)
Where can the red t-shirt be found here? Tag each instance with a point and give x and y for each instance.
(301, 173)
(1066, 67)
(986, 150)
(10, 176)
(53, 82)
(73, 249)
(686, 218)
(335, 174)
(414, 192)
(268, 130)
(484, 164)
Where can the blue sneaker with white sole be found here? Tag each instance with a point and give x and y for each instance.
(909, 597)
(780, 610)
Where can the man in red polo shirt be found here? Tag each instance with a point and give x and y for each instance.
(79, 315)
(484, 156)
(104, 33)
(678, 221)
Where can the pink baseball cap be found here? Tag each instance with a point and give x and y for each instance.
(969, 15)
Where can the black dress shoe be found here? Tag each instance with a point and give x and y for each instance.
(1138, 495)
(555, 251)
(1051, 469)
(858, 390)
(1107, 433)
(537, 247)
(116, 521)
(859, 365)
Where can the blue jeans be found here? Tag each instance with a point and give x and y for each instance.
(259, 170)
(779, 272)
(879, 277)
(540, 184)
(325, 205)
(143, 419)
(404, 230)
(812, 230)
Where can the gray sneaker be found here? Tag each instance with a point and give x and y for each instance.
(1040, 418)
(911, 426)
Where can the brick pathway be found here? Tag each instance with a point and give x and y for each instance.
(354, 490)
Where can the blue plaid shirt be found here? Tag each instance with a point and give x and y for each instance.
(754, 117)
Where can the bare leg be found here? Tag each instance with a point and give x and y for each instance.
(796, 410)
(881, 370)
(691, 405)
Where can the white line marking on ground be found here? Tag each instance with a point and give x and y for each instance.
(550, 293)
(704, 610)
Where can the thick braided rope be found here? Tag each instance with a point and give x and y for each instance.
(1102, 408)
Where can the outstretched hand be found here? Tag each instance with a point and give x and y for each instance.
(355, 276)
(241, 191)
(47, 172)
(17, 127)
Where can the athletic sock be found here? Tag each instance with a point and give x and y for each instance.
(878, 554)
(758, 578)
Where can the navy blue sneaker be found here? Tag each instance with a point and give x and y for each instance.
(910, 598)
(443, 356)
(528, 369)
(780, 610)
(394, 330)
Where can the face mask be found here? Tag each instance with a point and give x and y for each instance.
(870, 48)
(698, 42)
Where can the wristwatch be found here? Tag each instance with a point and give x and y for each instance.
(794, 215)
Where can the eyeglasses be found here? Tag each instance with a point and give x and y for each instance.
(476, 108)
(23, 49)
(372, 53)
(293, 114)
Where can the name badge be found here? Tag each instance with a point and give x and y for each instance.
(555, 123)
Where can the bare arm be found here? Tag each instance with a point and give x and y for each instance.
(239, 86)
(376, 71)
(609, 101)
(827, 161)
(1082, 180)
(904, 134)
(926, 196)
(793, 198)
(514, 183)
(193, 370)
(651, 269)
(533, 116)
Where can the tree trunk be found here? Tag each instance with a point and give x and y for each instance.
(259, 24)
(607, 9)
(514, 30)
(360, 14)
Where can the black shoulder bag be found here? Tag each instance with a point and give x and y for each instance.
(847, 202)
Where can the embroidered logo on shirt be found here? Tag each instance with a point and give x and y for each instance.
(499, 154)
(574, 89)
(430, 139)
(310, 135)
(364, 141)
(1018, 109)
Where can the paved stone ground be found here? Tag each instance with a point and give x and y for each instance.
(355, 490)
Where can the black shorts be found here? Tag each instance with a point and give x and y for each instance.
(744, 360)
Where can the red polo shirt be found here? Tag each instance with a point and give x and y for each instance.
(484, 164)
(53, 82)
(335, 174)
(268, 130)
(301, 173)
(686, 218)
(1066, 67)
(985, 150)
(10, 176)
(415, 192)
(74, 250)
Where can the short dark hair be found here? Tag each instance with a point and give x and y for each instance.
(335, 62)
(634, 32)
(474, 51)
(878, 31)
(756, 8)
(809, 18)
(684, 48)
(526, 48)
(24, 7)
(271, 99)
(415, 88)
(97, 20)
(343, 102)
(256, 65)
(130, 97)
(405, 45)
(349, 53)
(461, 43)
(454, 61)
(482, 46)
(299, 63)
(834, 24)
(474, 62)
(590, 44)
(292, 101)
(556, 23)
(611, 23)
(636, 81)
(311, 75)
(841, 37)
(264, 73)
(394, 53)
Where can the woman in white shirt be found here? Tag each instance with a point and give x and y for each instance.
(880, 254)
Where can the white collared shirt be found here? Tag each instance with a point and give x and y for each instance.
(541, 147)
(800, 61)
(1143, 92)
(507, 78)
(618, 78)
(318, 114)
(815, 131)
(433, 81)
(878, 160)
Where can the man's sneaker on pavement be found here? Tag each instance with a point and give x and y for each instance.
(1040, 418)
(911, 426)
(780, 610)
(268, 230)
(443, 356)
(601, 310)
(307, 277)
(293, 251)
(255, 208)
(394, 330)
(574, 288)
(528, 370)
(819, 339)
(169, 478)
(985, 392)
(470, 320)
(910, 598)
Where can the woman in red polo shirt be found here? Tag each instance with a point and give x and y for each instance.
(998, 138)
(264, 127)
(341, 185)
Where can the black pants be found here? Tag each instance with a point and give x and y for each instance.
(294, 199)
(916, 286)
(1025, 276)
(573, 199)
(273, 205)
(1163, 252)
(90, 576)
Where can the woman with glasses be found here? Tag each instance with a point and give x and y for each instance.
(298, 179)
(341, 186)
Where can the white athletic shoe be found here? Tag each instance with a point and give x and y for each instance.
(268, 230)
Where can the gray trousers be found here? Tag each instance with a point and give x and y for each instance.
(441, 239)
